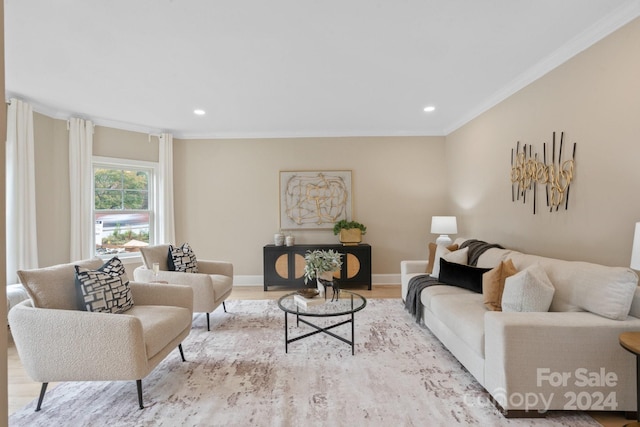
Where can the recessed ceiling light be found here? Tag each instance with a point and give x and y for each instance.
(198, 112)
(429, 109)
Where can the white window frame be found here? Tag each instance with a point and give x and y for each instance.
(117, 163)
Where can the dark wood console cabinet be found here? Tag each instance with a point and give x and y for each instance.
(284, 265)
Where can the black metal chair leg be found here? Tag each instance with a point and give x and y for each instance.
(43, 390)
(181, 352)
(224, 306)
(139, 385)
(208, 326)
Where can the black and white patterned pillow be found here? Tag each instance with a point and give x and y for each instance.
(104, 290)
(182, 259)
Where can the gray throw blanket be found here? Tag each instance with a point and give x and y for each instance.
(417, 284)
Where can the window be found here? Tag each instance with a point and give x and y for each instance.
(124, 206)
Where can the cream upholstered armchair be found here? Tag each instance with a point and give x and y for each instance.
(211, 285)
(57, 341)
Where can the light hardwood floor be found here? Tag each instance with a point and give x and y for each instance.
(23, 390)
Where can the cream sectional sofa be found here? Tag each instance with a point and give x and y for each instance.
(530, 362)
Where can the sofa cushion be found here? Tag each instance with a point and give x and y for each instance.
(528, 290)
(104, 290)
(221, 285)
(463, 314)
(458, 256)
(461, 275)
(158, 253)
(54, 287)
(182, 259)
(160, 324)
(493, 284)
(432, 254)
(492, 257)
(583, 286)
(431, 292)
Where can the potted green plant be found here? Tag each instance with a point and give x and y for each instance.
(350, 232)
(321, 264)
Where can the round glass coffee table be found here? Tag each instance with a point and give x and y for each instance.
(347, 304)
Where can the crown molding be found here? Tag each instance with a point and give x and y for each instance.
(323, 134)
(605, 26)
(59, 114)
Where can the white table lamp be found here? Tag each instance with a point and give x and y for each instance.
(444, 225)
(635, 251)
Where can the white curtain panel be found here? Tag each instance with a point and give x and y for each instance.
(81, 182)
(165, 217)
(22, 243)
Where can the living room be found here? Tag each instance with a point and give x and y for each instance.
(231, 185)
(226, 190)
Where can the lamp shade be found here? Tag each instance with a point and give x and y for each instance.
(444, 225)
(635, 251)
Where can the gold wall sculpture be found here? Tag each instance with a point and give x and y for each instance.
(551, 171)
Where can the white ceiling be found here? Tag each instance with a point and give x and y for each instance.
(286, 68)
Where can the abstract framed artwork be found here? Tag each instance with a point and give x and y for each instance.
(314, 199)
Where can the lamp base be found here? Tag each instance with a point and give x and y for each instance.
(444, 240)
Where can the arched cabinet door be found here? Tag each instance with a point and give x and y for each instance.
(284, 265)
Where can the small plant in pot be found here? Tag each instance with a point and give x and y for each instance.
(320, 264)
(350, 232)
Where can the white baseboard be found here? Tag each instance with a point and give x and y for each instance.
(257, 280)
(248, 281)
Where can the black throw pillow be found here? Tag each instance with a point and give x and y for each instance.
(462, 276)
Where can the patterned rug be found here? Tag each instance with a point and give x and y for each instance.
(239, 375)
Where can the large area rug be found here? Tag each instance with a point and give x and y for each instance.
(239, 375)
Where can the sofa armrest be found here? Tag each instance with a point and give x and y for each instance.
(408, 270)
(63, 345)
(200, 283)
(413, 266)
(162, 294)
(223, 268)
(525, 353)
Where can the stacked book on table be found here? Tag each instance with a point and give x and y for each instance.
(307, 302)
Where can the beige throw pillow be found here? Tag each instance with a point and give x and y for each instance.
(528, 290)
(493, 284)
(432, 254)
(457, 256)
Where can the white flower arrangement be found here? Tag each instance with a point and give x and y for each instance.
(321, 261)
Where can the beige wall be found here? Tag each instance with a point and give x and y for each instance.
(595, 99)
(226, 191)
(51, 151)
(122, 144)
(226, 194)
(52, 177)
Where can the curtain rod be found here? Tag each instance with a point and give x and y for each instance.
(93, 125)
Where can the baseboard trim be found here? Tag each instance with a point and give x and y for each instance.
(257, 280)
